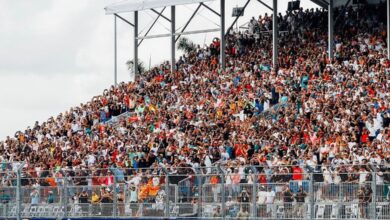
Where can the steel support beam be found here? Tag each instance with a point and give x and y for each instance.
(199, 31)
(151, 26)
(275, 33)
(222, 43)
(181, 33)
(388, 29)
(210, 9)
(126, 21)
(189, 20)
(115, 54)
(321, 3)
(173, 40)
(263, 3)
(236, 19)
(343, 12)
(154, 10)
(330, 27)
(135, 45)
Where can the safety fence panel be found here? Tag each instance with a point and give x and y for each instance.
(8, 200)
(202, 193)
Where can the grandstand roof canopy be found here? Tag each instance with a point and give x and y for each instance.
(139, 5)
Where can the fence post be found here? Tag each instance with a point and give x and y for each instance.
(115, 198)
(65, 191)
(223, 199)
(18, 194)
(374, 196)
(166, 192)
(254, 192)
(311, 190)
(199, 180)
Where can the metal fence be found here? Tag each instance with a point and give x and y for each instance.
(203, 193)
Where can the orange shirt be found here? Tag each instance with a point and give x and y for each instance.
(214, 180)
(51, 181)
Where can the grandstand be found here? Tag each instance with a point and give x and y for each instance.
(292, 133)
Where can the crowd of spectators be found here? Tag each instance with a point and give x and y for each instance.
(308, 114)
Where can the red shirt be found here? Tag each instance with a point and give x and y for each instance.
(240, 150)
(297, 173)
(306, 137)
(113, 157)
(364, 138)
(126, 100)
(109, 180)
(262, 179)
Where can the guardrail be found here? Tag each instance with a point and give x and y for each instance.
(202, 193)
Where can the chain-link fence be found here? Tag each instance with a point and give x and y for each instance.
(203, 193)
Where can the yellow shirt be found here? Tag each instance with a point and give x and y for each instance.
(95, 198)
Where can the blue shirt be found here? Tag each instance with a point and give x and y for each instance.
(35, 198)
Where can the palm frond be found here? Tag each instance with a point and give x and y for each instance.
(186, 45)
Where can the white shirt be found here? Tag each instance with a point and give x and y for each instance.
(91, 159)
(362, 177)
(327, 177)
(270, 197)
(379, 179)
(225, 156)
(228, 179)
(135, 180)
(133, 196)
(262, 197)
(241, 172)
(156, 181)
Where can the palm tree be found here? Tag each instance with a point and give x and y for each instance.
(141, 66)
(186, 45)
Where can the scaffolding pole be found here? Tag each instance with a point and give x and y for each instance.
(388, 29)
(115, 55)
(151, 26)
(135, 45)
(173, 40)
(275, 33)
(189, 20)
(222, 45)
(330, 27)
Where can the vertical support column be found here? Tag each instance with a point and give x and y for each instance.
(65, 195)
(311, 193)
(275, 34)
(388, 29)
(173, 31)
(115, 54)
(135, 45)
(167, 193)
(330, 27)
(199, 182)
(18, 195)
(254, 192)
(374, 196)
(115, 197)
(222, 45)
(223, 191)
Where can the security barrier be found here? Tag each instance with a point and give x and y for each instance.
(202, 193)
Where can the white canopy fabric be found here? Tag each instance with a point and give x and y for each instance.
(139, 5)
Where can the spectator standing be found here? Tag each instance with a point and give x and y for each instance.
(34, 197)
(300, 205)
(84, 201)
(288, 199)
